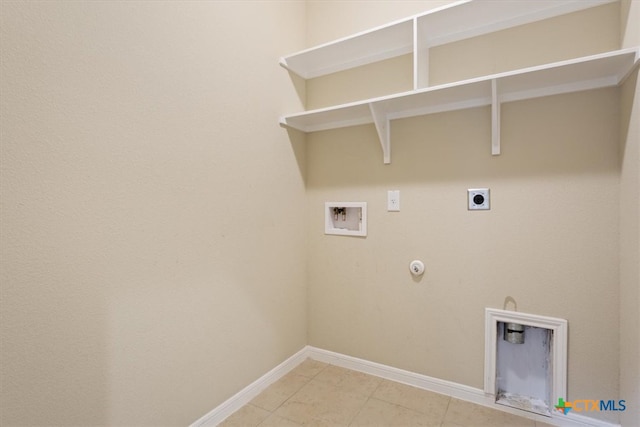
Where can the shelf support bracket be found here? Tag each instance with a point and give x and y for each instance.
(495, 119)
(383, 127)
(420, 56)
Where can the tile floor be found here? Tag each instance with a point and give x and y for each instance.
(317, 394)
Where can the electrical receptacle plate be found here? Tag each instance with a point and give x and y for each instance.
(478, 199)
(393, 200)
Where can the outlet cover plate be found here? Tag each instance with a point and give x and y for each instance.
(478, 199)
(393, 201)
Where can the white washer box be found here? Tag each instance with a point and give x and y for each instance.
(345, 218)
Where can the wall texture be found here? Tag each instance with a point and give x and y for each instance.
(630, 224)
(550, 240)
(152, 209)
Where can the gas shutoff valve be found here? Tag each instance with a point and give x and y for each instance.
(416, 267)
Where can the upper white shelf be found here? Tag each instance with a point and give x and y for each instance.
(591, 72)
(450, 23)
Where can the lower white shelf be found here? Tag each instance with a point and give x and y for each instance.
(590, 72)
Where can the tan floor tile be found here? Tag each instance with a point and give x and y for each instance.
(432, 404)
(309, 368)
(278, 392)
(319, 395)
(319, 401)
(348, 381)
(514, 420)
(461, 413)
(318, 422)
(384, 414)
(247, 416)
(276, 421)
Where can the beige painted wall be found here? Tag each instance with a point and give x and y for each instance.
(563, 37)
(152, 216)
(630, 225)
(550, 241)
(330, 20)
(130, 183)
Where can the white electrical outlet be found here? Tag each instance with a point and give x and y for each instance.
(478, 199)
(393, 201)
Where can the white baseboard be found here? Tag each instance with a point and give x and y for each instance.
(424, 382)
(244, 396)
(459, 391)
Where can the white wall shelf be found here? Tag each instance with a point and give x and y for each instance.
(591, 72)
(457, 21)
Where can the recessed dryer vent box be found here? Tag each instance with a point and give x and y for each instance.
(345, 218)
